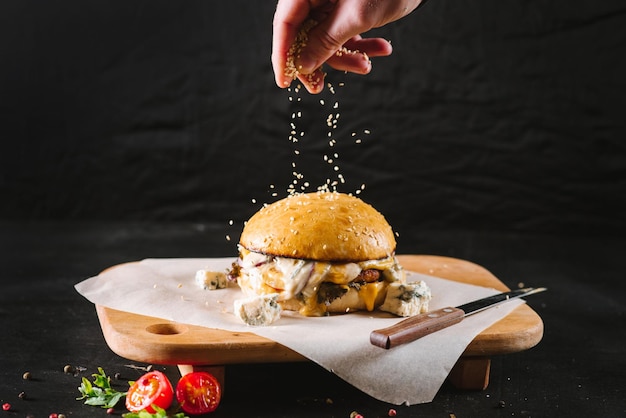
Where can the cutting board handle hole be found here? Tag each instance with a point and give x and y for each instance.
(166, 329)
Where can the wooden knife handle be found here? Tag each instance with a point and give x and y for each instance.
(416, 327)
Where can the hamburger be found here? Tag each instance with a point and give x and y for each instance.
(318, 253)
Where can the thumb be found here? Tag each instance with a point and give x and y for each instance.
(323, 41)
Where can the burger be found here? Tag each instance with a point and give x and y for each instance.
(318, 253)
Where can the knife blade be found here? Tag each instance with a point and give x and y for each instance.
(418, 326)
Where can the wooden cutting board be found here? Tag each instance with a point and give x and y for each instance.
(153, 340)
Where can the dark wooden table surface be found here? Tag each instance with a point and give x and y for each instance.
(576, 370)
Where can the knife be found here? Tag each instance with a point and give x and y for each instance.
(417, 326)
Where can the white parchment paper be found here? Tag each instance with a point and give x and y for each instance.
(407, 374)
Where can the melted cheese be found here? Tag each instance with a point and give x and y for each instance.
(369, 292)
(295, 278)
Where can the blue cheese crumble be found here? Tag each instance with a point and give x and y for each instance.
(407, 299)
(211, 280)
(258, 310)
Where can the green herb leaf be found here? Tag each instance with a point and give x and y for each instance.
(100, 393)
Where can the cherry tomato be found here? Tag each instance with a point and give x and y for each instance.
(198, 393)
(153, 388)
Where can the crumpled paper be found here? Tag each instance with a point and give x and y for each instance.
(407, 374)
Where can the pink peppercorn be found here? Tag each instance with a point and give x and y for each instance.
(53, 416)
(392, 412)
(6, 406)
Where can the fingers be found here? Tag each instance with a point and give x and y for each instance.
(325, 39)
(350, 61)
(288, 18)
(374, 47)
(355, 56)
(334, 40)
(314, 82)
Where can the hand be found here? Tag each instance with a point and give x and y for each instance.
(340, 25)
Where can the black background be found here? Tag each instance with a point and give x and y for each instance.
(136, 129)
(487, 115)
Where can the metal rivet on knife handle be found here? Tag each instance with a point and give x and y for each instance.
(415, 327)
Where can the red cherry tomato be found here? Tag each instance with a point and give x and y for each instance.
(198, 393)
(153, 388)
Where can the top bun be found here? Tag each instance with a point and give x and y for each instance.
(322, 226)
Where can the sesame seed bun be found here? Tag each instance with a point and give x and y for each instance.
(328, 226)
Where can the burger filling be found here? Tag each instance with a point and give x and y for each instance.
(314, 284)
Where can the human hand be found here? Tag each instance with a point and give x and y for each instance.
(335, 40)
